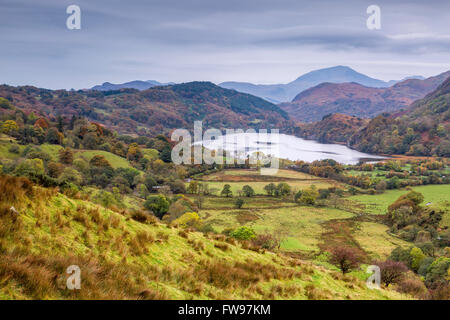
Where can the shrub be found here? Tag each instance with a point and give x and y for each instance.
(243, 233)
(413, 286)
(189, 219)
(55, 169)
(267, 241)
(30, 168)
(307, 196)
(14, 149)
(391, 271)
(157, 204)
(70, 175)
(417, 258)
(438, 271)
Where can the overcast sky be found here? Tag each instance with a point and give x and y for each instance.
(259, 41)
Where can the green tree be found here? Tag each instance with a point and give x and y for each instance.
(166, 154)
(417, 257)
(248, 191)
(158, 204)
(238, 203)
(282, 190)
(5, 104)
(309, 196)
(53, 136)
(30, 168)
(70, 175)
(270, 189)
(226, 191)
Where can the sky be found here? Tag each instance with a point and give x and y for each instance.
(258, 41)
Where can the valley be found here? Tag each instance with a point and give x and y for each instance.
(100, 191)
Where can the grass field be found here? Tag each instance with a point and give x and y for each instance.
(249, 203)
(281, 173)
(376, 241)
(5, 144)
(300, 227)
(438, 195)
(114, 160)
(259, 186)
(239, 178)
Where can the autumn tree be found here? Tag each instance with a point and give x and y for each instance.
(99, 161)
(9, 127)
(345, 258)
(134, 152)
(66, 156)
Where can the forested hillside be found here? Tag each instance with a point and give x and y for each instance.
(423, 130)
(153, 111)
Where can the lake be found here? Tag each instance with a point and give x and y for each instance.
(286, 147)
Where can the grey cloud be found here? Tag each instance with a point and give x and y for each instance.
(119, 36)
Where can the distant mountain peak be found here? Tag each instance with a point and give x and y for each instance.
(135, 84)
(286, 92)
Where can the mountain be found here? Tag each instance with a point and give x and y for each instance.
(153, 111)
(286, 92)
(422, 130)
(358, 100)
(137, 84)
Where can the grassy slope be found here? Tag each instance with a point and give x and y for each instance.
(122, 258)
(52, 149)
(375, 239)
(300, 226)
(114, 160)
(378, 204)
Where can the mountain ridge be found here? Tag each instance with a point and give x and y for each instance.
(357, 100)
(286, 92)
(153, 111)
(135, 84)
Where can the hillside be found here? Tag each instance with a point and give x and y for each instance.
(121, 258)
(334, 128)
(153, 111)
(358, 100)
(423, 129)
(286, 92)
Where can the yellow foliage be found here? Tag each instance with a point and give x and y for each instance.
(188, 219)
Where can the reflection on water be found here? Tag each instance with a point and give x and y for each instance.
(286, 147)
